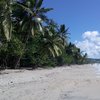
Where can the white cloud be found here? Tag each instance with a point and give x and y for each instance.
(90, 44)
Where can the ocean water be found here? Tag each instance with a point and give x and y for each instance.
(97, 69)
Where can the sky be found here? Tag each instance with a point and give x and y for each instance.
(82, 17)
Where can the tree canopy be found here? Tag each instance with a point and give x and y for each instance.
(28, 38)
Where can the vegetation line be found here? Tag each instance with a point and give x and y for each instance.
(28, 38)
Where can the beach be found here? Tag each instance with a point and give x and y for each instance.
(75, 82)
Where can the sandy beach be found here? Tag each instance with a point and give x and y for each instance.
(77, 82)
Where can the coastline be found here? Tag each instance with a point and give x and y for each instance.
(76, 82)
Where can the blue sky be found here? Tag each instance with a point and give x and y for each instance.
(82, 17)
(78, 15)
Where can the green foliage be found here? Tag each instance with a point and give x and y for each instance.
(5, 18)
(15, 47)
(28, 38)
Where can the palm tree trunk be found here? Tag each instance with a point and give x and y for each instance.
(18, 60)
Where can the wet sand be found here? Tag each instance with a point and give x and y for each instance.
(77, 82)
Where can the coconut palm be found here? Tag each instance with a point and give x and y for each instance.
(48, 44)
(32, 15)
(6, 26)
(77, 55)
(28, 19)
(63, 32)
(5, 18)
(52, 42)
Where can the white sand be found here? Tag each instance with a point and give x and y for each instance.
(64, 83)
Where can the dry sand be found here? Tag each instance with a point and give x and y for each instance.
(63, 83)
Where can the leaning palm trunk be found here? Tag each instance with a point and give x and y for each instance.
(17, 64)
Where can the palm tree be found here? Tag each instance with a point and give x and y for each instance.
(33, 15)
(49, 44)
(63, 32)
(6, 27)
(76, 54)
(28, 19)
(5, 18)
(52, 42)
